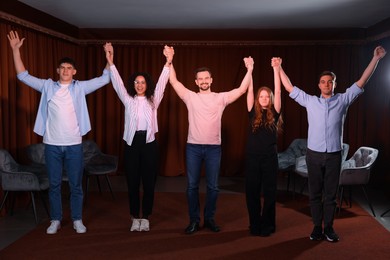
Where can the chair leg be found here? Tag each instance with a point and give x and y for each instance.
(341, 198)
(86, 188)
(44, 203)
(350, 196)
(305, 182)
(98, 183)
(34, 208)
(4, 199)
(288, 181)
(384, 213)
(109, 185)
(369, 203)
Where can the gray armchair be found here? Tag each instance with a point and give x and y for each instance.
(17, 177)
(357, 171)
(287, 158)
(301, 167)
(36, 154)
(97, 164)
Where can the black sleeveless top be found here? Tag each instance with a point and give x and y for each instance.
(264, 139)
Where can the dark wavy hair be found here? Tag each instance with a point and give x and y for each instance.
(150, 85)
(269, 118)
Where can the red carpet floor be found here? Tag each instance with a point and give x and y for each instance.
(108, 235)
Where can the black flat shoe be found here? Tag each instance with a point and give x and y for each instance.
(210, 224)
(192, 228)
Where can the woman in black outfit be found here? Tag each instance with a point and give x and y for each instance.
(261, 154)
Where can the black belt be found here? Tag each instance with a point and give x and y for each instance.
(140, 132)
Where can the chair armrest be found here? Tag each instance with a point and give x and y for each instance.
(20, 181)
(102, 164)
(300, 166)
(354, 176)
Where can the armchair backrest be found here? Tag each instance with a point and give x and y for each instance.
(90, 149)
(364, 157)
(7, 162)
(344, 152)
(357, 169)
(296, 149)
(36, 153)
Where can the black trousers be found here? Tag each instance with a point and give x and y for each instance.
(323, 173)
(261, 179)
(141, 165)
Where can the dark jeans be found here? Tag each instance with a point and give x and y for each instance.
(323, 173)
(261, 179)
(141, 164)
(195, 155)
(70, 159)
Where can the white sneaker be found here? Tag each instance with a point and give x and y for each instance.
(135, 226)
(55, 225)
(79, 226)
(144, 226)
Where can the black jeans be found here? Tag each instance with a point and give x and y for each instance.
(261, 179)
(141, 164)
(324, 173)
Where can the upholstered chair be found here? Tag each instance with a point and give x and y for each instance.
(357, 172)
(97, 164)
(17, 177)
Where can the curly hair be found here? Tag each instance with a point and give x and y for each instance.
(268, 121)
(150, 85)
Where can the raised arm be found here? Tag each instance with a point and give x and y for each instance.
(179, 88)
(164, 76)
(285, 80)
(234, 94)
(15, 44)
(109, 50)
(379, 53)
(276, 64)
(168, 52)
(250, 98)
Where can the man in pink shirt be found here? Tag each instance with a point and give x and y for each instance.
(205, 110)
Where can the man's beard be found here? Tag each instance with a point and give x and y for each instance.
(204, 87)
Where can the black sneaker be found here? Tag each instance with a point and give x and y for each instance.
(330, 235)
(317, 235)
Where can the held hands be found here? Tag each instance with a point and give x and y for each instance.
(14, 40)
(379, 52)
(109, 50)
(249, 62)
(168, 53)
(276, 62)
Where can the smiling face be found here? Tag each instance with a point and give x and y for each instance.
(203, 81)
(66, 71)
(140, 85)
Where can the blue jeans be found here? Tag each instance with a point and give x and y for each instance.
(195, 155)
(70, 159)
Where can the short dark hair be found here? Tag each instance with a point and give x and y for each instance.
(327, 73)
(201, 69)
(67, 60)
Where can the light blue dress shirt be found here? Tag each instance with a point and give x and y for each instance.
(78, 90)
(326, 117)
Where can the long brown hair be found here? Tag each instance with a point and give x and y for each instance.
(270, 110)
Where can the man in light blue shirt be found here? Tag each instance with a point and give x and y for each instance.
(326, 115)
(62, 120)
